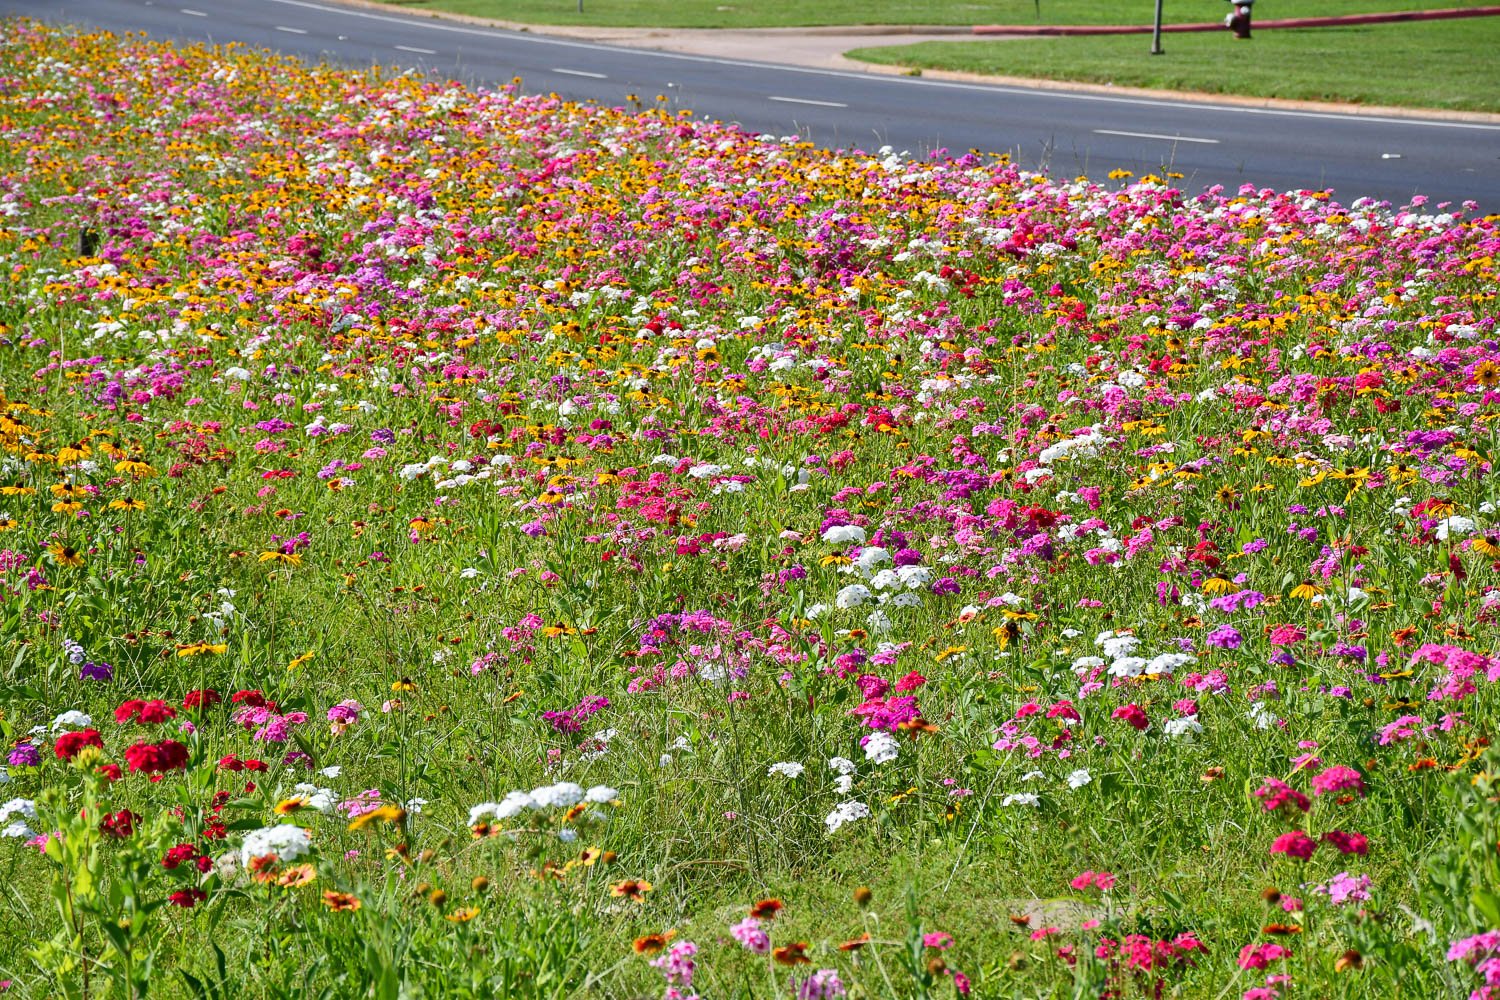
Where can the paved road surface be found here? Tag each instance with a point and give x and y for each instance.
(1068, 133)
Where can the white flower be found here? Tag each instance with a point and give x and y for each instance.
(72, 720)
(287, 842)
(1032, 775)
(1021, 799)
(665, 760)
(842, 533)
(842, 765)
(601, 793)
(886, 579)
(852, 596)
(1117, 646)
(789, 768)
(1128, 666)
(332, 772)
(878, 622)
(567, 835)
(414, 806)
(1079, 778)
(914, 577)
(881, 747)
(558, 796)
(1454, 525)
(872, 556)
(843, 784)
(846, 812)
(1167, 663)
(1187, 726)
(468, 573)
(320, 799)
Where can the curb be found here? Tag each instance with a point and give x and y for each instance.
(1064, 30)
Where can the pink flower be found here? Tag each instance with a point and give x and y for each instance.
(1347, 843)
(1294, 845)
(1338, 778)
(1133, 715)
(1259, 956)
(751, 936)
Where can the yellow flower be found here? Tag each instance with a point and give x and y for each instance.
(66, 506)
(463, 914)
(285, 558)
(1218, 585)
(1306, 591)
(393, 815)
(632, 889)
(131, 467)
(299, 661)
(66, 555)
(296, 875)
(7, 523)
(404, 684)
(127, 503)
(288, 806)
(199, 648)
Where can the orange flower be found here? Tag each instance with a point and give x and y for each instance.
(340, 900)
(792, 954)
(766, 909)
(857, 943)
(296, 875)
(650, 944)
(632, 889)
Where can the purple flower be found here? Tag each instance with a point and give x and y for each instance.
(1225, 637)
(96, 672)
(25, 755)
(947, 586)
(751, 936)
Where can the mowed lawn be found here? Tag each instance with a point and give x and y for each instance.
(772, 13)
(1436, 64)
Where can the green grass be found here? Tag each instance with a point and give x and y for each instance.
(771, 14)
(1441, 64)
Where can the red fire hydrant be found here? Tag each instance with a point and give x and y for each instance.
(1238, 18)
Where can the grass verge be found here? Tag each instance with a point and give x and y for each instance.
(1440, 64)
(761, 14)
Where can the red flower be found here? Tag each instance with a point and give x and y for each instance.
(1132, 714)
(68, 744)
(119, 825)
(1347, 843)
(148, 712)
(194, 700)
(187, 898)
(252, 698)
(177, 855)
(111, 771)
(153, 758)
(231, 763)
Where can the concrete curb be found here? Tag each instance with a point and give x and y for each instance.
(1392, 17)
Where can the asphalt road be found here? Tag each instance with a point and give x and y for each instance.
(1067, 133)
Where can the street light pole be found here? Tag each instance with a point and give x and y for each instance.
(1155, 31)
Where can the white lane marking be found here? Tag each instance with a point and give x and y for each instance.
(420, 52)
(803, 100)
(1065, 95)
(194, 13)
(580, 72)
(1155, 135)
(1390, 156)
(291, 31)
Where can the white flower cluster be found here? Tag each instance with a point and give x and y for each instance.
(559, 796)
(845, 812)
(462, 470)
(12, 827)
(287, 842)
(881, 747)
(1120, 650)
(787, 768)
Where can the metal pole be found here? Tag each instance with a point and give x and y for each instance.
(1155, 31)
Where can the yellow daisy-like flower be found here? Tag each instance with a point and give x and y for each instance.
(393, 815)
(1218, 585)
(284, 558)
(131, 467)
(1306, 591)
(7, 523)
(288, 806)
(299, 661)
(66, 555)
(632, 889)
(127, 503)
(66, 507)
(199, 648)
(296, 875)
(463, 914)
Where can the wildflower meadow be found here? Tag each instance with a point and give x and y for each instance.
(457, 542)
